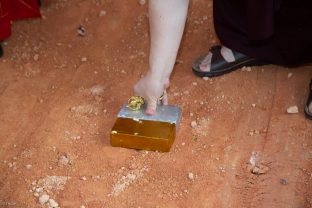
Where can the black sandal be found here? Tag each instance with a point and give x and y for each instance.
(309, 101)
(220, 66)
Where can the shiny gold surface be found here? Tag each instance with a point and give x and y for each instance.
(146, 135)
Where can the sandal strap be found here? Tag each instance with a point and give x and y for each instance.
(218, 62)
(306, 108)
(310, 94)
(220, 66)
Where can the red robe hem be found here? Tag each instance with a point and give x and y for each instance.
(12, 10)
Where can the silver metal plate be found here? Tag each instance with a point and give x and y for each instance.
(164, 113)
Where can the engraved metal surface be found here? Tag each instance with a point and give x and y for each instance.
(164, 113)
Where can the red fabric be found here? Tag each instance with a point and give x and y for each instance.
(11, 10)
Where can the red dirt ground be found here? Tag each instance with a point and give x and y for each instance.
(56, 104)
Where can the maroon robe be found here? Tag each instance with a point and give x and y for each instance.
(11, 10)
(277, 31)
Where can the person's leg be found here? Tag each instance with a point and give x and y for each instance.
(230, 25)
(167, 20)
(227, 17)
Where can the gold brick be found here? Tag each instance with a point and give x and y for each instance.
(143, 134)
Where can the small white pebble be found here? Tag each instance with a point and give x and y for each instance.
(190, 176)
(193, 124)
(289, 75)
(36, 57)
(82, 206)
(253, 105)
(248, 68)
(142, 2)
(39, 190)
(63, 160)
(183, 143)
(292, 109)
(28, 167)
(194, 83)
(206, 78)
(102, 13)
(83, 178)
(76, 137)
(44, 199)
(53, 203)
(84, 59)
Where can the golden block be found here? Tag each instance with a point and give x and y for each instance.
(134, 129)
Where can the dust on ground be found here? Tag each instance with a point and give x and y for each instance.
(65, 77)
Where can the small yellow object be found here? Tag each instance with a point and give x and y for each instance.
(135, 103)
(161, 97)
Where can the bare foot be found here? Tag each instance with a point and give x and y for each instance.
(151, 89)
